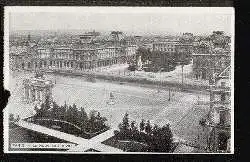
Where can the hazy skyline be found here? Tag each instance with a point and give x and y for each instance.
(141, 23)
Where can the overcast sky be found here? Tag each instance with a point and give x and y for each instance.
(135, 22)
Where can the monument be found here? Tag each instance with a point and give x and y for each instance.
(36, 89)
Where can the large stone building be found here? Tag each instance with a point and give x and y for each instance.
(20, 57)
(215, 51)
(201, 64)
(219, 119)
(181, 49)
(168, 46)
(72, 57)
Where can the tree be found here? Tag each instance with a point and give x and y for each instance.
(41, 112)
(61, 113)
(100, 121)
(132, 126)
(75, 114)
(144, 53)
(92, 120)
(44, 110)
(142, 125)
(162, 142)
(47, 103)
(83, 118)
(56, 111)
(148, 127)
(155, 130)
(125, 123)
(69, 114)
(36, 110)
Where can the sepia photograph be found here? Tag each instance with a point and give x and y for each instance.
(119, 80)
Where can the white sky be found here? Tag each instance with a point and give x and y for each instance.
(136, 20)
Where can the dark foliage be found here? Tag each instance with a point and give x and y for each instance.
(72, 115)
(161, 61)
(158, 139)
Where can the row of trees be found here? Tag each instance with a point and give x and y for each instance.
(93, 122)
(159, 60)
(159, 139)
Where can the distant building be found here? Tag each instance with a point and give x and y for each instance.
(88, 37)
(182, 50)
(201, 64)
(19, 57)
(215, 50)
(187, 38)
(169, 46)
(72, 58)
(148, 46)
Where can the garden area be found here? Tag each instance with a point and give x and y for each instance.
(69, 119)
(142, 138)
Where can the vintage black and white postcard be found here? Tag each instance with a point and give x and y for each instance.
(119, 80)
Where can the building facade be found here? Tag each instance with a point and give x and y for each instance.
(169, 46)
(201, 64)
(219, 121)
(71, 58)
(216, 51)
